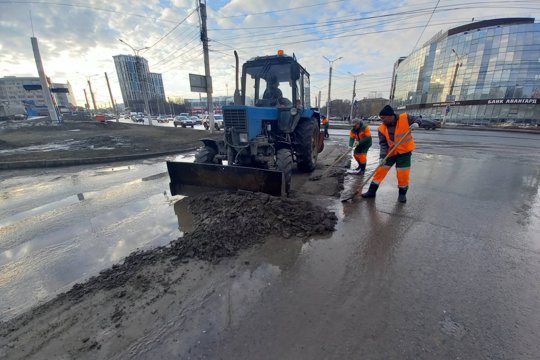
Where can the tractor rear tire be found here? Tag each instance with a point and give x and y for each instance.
(307, 136)
(284, 163)
(205, 155)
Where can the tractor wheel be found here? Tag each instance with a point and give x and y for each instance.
(284, 163)
(307, 136)
(205, 155)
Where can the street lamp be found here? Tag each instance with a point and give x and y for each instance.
(449, 97)
(88, 77)
(139, 76)
(353, 92)
(331, 64)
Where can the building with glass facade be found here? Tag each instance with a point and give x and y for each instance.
(134, 76)
(479, 73)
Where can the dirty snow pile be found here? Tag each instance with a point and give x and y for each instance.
(228, 222)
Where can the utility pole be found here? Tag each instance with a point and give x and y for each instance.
(353, 93)
(204, 39)
(447, 109)
(331, 63)
(143, 83)
(43, 79)
(319, 101)
(87, 104)
(112, 99)
(170, 106)
(92, 95)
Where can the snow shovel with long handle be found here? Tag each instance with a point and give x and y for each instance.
(353, 194)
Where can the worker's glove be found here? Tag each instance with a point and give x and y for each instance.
(414, 126)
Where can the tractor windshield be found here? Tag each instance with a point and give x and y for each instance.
(269, 85)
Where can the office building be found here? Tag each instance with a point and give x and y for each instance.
(479, 73)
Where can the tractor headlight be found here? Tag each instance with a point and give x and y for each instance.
(243, 137)
(294, 111)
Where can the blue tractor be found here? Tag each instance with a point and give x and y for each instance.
(270, 127)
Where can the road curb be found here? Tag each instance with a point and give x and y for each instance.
(32, 164)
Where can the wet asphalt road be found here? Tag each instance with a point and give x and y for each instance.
(453, 274)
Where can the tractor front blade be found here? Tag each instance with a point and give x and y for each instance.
(188, 176)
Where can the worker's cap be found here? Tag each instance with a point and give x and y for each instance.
(387, 111)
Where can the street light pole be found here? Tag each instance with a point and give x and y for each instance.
(353, 92)
(331, 63)
(143, 80)
(458, 64)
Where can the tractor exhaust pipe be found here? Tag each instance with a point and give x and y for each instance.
(237, 99)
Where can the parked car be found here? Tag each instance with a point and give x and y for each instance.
(196, 119)
(430, 124)
(218, 122)
(100, 117)
(162, 119)
(183, 121)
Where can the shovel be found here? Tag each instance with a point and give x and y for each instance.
(352, 195)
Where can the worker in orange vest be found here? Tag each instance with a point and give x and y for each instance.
(326, 125)
(393, 129)
(361, 136)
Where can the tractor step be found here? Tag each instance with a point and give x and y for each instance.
(188, 176)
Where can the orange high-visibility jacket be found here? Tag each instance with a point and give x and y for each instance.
(325, 121)
(362, 135)
(402, 126)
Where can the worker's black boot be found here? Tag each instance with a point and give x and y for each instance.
(362, 169)
(372, 191)
(402, 198)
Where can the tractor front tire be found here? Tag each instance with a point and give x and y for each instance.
(307, 136)
(284, 163)
(205, 155)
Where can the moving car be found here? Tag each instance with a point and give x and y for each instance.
(218, 122)
(183, 121)
(196, 120)
(430, 124)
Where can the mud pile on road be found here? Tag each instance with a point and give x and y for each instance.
(228, 222)
(224, 223)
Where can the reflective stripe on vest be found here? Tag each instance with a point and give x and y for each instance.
(402, 126)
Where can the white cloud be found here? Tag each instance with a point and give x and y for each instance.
(84, 39)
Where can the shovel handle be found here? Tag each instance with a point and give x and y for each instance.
(390, 152)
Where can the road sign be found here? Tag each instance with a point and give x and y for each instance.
(447, 109)
(198, 83)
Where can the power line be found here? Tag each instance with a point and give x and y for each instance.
(282, 10)
(85, 7)
(424, 29)
(174, 28)
(343, 36)
(194, 36)
(340, 20)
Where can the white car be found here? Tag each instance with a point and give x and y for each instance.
(218, 122)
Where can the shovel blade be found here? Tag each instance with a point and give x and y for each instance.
(185, 176)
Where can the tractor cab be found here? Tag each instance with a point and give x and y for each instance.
(275, 81)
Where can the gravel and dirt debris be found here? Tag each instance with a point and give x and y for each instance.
(224, 223)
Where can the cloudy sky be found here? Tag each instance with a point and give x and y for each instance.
(78, 38)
